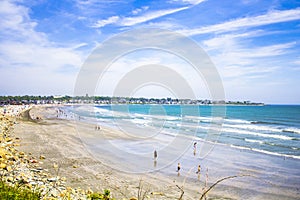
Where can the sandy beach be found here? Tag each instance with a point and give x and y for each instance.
(56, 139)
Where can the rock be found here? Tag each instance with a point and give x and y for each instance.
(8, 168)
(2, 153)
(89, 191)
(12, 158)
(33, 183)
(33, 161)
(2, 165)
(35, 170)
(40, 183)
(53, 193)
(10, 179)
(54, 179)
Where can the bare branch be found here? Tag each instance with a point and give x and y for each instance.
(182, 192)
(218, 181)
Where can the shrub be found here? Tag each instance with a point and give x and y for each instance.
(17, 193)
(100, 196)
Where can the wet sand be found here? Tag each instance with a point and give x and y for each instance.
(63, 141)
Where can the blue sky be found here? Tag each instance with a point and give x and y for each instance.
(254, 44)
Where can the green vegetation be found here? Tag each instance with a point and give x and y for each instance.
(17, 193)
(100, 196)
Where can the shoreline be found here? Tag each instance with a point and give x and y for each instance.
(75, 163)
(256, 150)
(57, 140)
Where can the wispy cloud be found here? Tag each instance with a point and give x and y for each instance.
(29, 52)
(274, 16)
(92, 8)
(104, 22)
(241, 61)
(139, 10)
(222, 41)
(193, 2)
(144, 16)
(129, 21)
(15, 22)
(297, 62)
(22, 42)
(84, 4)
(137, 19)
(166, 25)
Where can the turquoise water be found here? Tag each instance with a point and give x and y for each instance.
(262, 141)
(270, 129)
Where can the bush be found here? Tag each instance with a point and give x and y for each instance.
(15, 193)
(99, 196)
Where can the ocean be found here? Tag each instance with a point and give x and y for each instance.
(269, 129)
(261, 142)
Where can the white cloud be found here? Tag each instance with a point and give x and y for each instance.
(125, 65)
(297, 62)
(87, 4)
(27, 56)
(144, 17)
(193, 2)
(165, 25)
(104, 22)
(130, 21)
(228, 40)
(242, 64)
(274, 16)
(267, 51)
(139, 10)
(14, 20)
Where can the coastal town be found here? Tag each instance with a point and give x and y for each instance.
(24, 100)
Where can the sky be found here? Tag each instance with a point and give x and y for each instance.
(254, 44)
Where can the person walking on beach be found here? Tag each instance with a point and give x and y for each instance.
(195, 148)
(178, 169)
(155, 157)
(198, 171)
